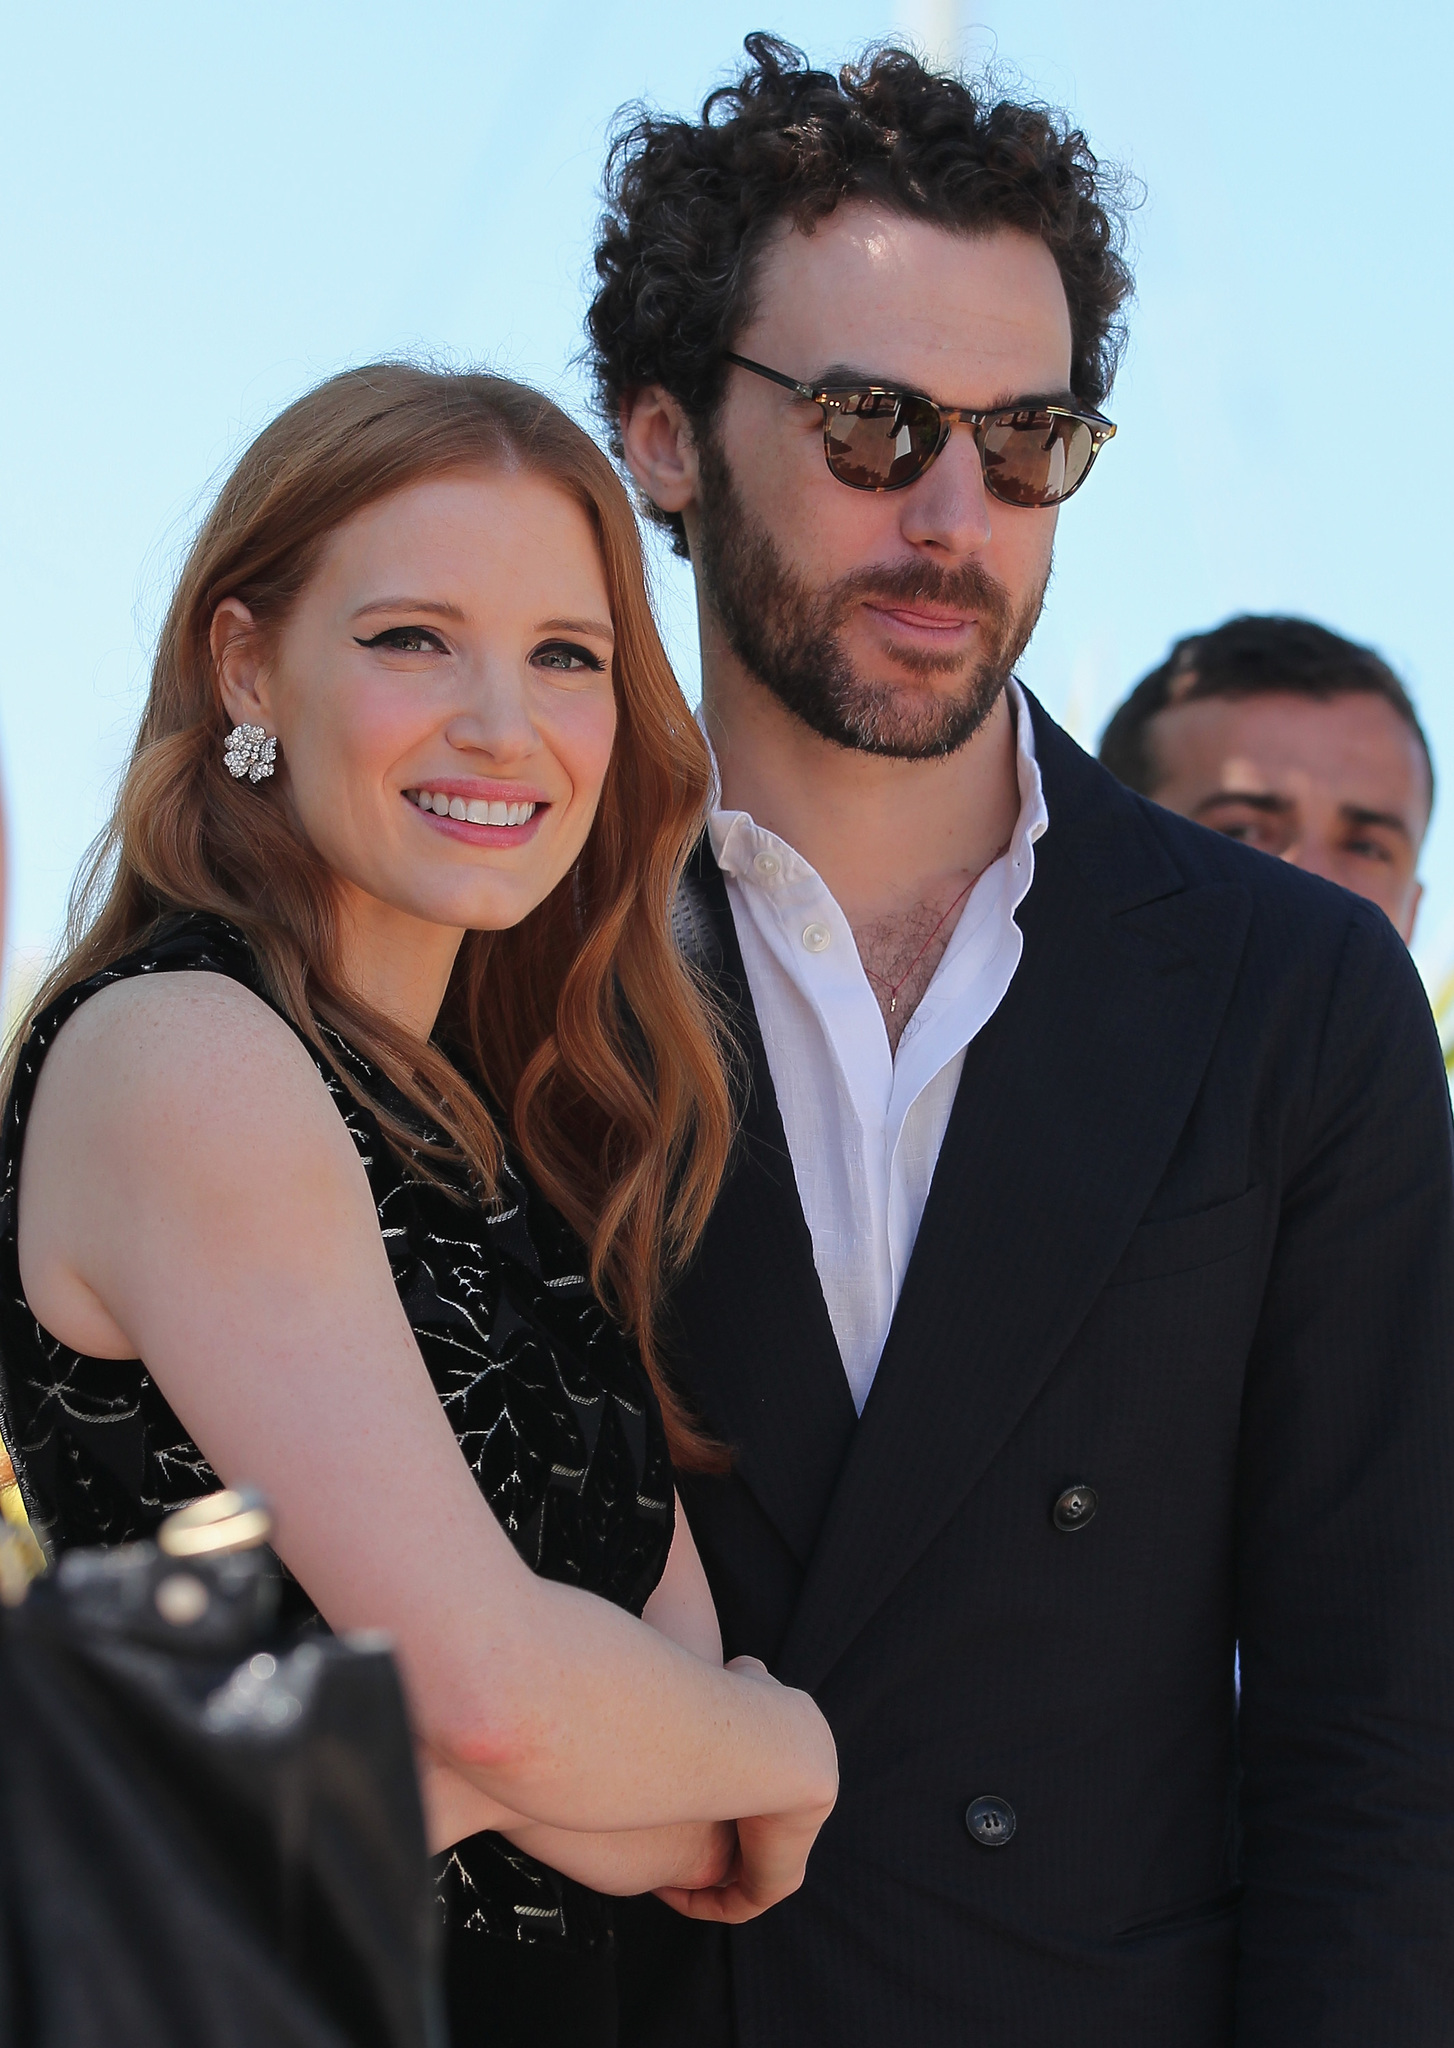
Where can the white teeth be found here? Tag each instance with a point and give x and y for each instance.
(476, 810)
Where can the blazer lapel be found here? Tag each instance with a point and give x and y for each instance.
(1071, 1101)
(753, 1334)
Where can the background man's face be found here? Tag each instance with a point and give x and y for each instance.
(1337, 786)
(888, 621)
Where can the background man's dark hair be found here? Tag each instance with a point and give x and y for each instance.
(1249, 657)
(690, 206)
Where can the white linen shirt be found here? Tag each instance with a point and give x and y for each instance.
(864, 1126)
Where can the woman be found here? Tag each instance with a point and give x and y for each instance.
(370, 1073)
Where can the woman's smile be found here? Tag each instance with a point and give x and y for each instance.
(489, 714)
(480, 814)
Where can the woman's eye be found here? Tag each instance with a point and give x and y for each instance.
(565, 657)
(406, 640)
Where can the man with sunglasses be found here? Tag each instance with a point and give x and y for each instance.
(1078, 1311)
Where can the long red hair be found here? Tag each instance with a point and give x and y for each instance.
(583, 1021)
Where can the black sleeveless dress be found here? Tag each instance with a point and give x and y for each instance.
(550, 1405)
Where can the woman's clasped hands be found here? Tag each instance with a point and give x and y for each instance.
(769, 1856)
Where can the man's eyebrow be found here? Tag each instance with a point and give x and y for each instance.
(854, 373)
(1356, 814)
(1063, 395)
(1255, 800)
(1004, 400)
(438, 608)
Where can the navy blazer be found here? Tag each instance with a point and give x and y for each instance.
(1188, 1256)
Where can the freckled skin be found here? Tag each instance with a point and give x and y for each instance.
(1338, 787)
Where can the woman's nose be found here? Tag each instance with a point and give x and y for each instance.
(494, 718)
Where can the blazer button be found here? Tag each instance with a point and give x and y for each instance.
(991, 1821)
(1074, 1509)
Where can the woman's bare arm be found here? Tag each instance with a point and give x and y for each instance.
(189, 1195)
(681, 1605)
(626, 1861)
(689, 1856)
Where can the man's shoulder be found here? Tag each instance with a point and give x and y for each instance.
(1320, 1009)
(1295, 917)
(1209, 859)
(1130, 849)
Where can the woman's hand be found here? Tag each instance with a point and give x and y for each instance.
(771, 1861)
(772, 1849)
(706, 1870)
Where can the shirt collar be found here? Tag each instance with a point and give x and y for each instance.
(738, 841)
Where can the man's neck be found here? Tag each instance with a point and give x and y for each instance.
(887, 836)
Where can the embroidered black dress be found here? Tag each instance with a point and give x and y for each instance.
(550, 1406)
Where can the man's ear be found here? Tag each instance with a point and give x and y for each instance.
(660, 450)
(1416, 897)
(237, 657)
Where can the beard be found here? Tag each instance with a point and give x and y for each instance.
(789, 637)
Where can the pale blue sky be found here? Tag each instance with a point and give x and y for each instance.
(208, 208)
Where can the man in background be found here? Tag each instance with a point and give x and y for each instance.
(1283, 735)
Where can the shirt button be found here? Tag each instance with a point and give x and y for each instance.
(817, 938)
(990, 1821)
(1074, 1508)
(767, 865)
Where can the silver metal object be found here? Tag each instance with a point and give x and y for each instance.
(249, 751)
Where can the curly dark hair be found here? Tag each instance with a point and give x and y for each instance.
(689, 205)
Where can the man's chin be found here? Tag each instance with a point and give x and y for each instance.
(912, 721)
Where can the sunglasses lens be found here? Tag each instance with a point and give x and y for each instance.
(876, 441)
(1036, 458)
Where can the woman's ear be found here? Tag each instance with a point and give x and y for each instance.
(661, 454)
(237, 656)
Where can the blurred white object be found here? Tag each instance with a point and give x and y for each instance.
(936, 27)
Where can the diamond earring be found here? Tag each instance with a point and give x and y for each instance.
(249, 751)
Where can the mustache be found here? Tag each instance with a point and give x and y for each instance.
(967, 588)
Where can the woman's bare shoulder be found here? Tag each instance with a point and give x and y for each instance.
(179, 1103)
(194, 1044)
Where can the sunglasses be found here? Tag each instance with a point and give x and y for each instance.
(877, 439)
